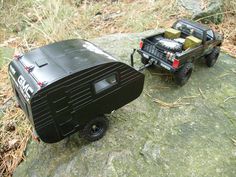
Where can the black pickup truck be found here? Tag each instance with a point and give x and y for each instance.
(176, 48)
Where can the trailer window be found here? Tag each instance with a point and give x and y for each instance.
(105, 83)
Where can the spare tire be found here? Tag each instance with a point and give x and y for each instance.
(170, 45)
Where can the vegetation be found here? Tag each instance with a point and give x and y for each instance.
(27, 24)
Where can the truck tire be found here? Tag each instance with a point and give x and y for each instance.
(182, 76)
(170, 45)
(95, 129)
(212, 57)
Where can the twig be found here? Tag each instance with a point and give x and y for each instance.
(233, 140)
(202, 93)
(171, 105)
(231, 97)
(223, 75)
(7, 100)
(146, 93)
(190, 97)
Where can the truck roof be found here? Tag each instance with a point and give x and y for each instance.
(56, 60)
(195, 24)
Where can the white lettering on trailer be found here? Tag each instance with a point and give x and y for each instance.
(25, 89)
(95, 49)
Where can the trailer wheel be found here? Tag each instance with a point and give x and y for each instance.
(212, 57)
(95, 129)
(182, 76)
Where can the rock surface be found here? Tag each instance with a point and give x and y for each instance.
(210, 10)
(145, 139)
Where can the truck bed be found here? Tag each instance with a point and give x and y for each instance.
(150, 47)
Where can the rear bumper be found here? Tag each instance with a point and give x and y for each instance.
(157, 61)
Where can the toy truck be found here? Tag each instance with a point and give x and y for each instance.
(69, 86)
(176, 48)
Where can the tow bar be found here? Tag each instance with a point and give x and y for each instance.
(150, 62)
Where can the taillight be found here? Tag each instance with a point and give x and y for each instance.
(141, 44)
(175, 63)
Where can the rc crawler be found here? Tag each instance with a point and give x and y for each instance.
(176, 48)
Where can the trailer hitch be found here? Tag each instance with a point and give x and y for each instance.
(150, 62)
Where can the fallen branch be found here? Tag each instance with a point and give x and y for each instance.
(220, 13)
(175, 104)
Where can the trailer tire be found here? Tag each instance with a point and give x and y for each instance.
(95, 129)
(212, 57)
(182, 76)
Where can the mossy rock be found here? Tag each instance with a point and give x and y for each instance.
(146, 139)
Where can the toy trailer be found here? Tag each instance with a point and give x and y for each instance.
(68, 86)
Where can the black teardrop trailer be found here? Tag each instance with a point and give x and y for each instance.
(68, 86)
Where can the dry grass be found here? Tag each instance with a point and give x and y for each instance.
(29, 24)
(14, 130)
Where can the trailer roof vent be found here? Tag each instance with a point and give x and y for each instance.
(41, 62)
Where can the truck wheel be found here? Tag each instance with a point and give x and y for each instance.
(212, 57)
(183, 75)
(95, 129)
